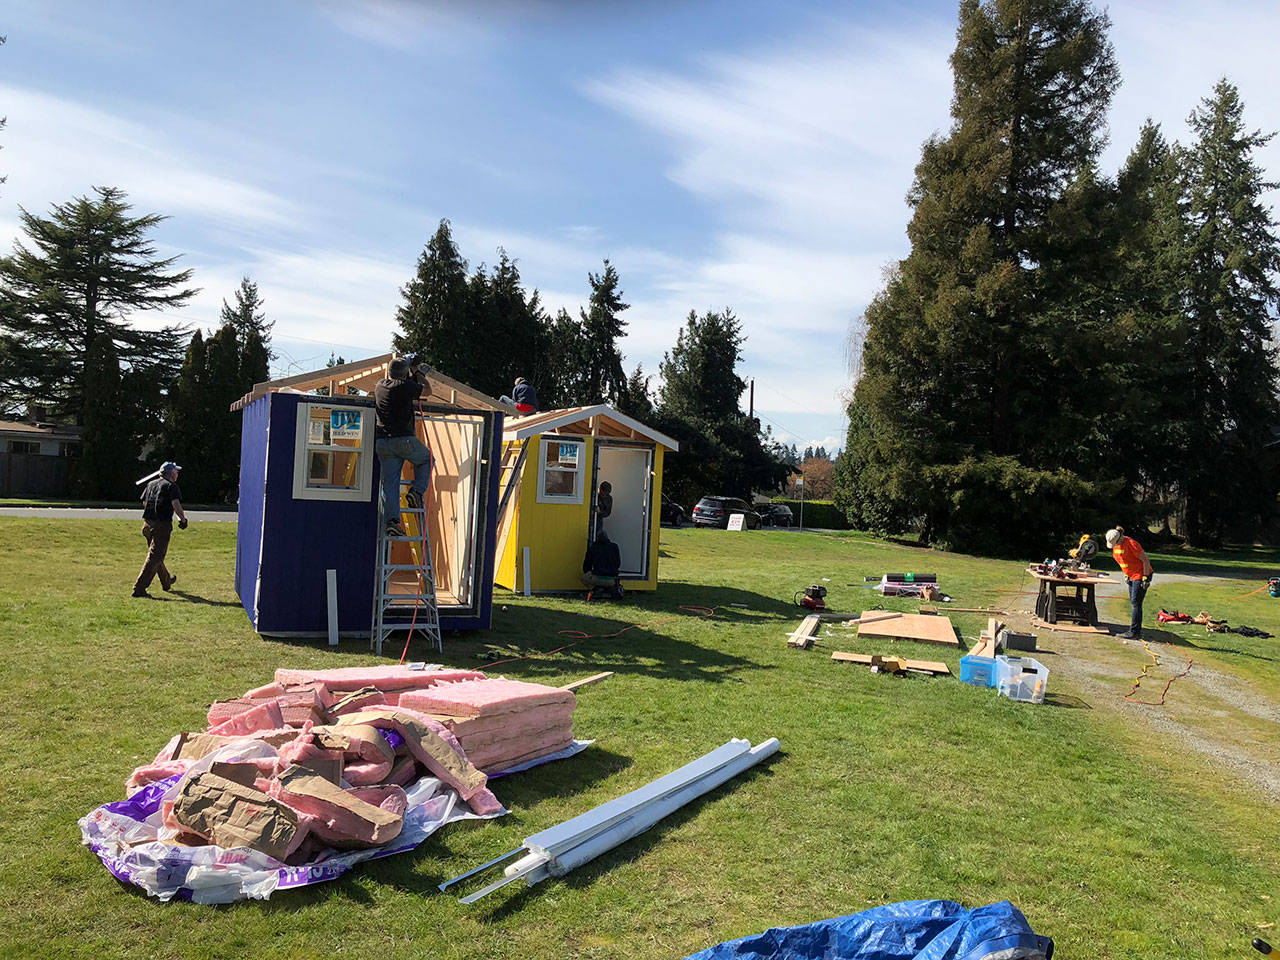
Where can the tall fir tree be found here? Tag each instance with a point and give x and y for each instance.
(188, 408)
(84, 270)
(602, 377)
(1233, 256)
(965, 402)
(436, 314)
(722, 449)
(109, 451)
(253, 332)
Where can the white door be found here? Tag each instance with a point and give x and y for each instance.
(627, 469)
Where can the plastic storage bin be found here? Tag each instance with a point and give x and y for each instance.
(1021, 678)
(978, 671)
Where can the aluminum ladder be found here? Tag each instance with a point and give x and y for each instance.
(392, 607)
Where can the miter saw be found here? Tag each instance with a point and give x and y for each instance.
(1078, 557)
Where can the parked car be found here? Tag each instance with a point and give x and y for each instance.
(777, 515)
(715, 512)
(672, 512)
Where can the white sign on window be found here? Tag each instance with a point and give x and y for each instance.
(344, 425)
(569, 454)
(736, 520)
(315, 431)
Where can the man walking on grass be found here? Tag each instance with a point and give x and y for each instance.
(396, 443)
(161, 499)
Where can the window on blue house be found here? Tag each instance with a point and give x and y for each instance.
(334, 452)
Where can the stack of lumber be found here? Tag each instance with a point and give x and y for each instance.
(500, 723)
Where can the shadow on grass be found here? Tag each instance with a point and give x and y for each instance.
(1066, 700)
(591, 873)
(1177, 640)
(196, 598)
(625, 637)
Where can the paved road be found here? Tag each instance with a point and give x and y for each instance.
(84, 513)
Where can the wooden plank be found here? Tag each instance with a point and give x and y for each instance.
(919, 666)
(913, 626)
(1070, 627)
(1002, 613)
(587, 680)
(928, 609)
(804, 634)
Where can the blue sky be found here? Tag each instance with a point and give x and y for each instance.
(746, 154)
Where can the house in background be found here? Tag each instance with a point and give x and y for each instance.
(36, 457)
(553, 463)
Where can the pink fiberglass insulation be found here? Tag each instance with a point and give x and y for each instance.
(384, 677)
(486, 697)
(271, 689)
(503, 725)
(152, 772)
(487, 754)
(267, 716)
(365, 773)
(497, 767)
(357, 700)
(342, 819)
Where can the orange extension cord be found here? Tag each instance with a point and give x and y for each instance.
(1155, 662)
(422, 568)
(704, 612)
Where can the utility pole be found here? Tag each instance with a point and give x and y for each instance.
(800, 484)
(751, 401)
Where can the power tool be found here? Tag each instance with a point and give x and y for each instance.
(1078, 557)
(812, 597)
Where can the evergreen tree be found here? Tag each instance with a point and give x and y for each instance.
(635, 400)
(253, 333)
(109, 453)
(722, 449)
(219, 445)
(435, 317)
(965, 403)
(602, 377)
(188, 408)
(88, 268)
(1233, 255)
(559, 374)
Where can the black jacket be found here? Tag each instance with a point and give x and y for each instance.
(604, 559)
(394, 400)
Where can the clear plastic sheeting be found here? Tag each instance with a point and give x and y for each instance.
(912, 930)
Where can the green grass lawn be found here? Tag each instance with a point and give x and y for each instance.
(1110, 840)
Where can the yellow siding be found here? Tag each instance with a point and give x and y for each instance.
(556, 533)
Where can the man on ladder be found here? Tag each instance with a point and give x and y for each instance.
(397, 443)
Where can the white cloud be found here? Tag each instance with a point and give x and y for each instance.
(56, 149)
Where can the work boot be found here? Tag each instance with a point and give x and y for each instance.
(141, 593)
(169, 586)
(395, 530)
(414, 499)
(1130, 635)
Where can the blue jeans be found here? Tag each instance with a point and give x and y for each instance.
(1137, 591)
(393, 453)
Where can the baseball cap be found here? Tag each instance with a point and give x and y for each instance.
(169, 465)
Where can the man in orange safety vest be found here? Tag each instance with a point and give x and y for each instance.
(1136, 569)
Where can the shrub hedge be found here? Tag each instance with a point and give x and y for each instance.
(818, 513)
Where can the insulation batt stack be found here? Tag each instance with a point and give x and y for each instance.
(500, 723)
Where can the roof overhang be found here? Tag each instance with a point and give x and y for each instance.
(600, 420)
(364, 375)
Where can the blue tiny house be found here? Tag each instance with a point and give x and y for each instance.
(309, 502)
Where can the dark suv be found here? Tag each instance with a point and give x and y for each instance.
(715, 512)
(777, 515)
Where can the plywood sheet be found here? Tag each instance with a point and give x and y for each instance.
(1069, 627)
(913, 626)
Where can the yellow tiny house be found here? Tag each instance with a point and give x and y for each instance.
(553, 464)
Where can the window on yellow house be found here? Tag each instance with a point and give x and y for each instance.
(560, 470)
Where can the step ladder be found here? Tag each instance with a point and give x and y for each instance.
(394, 611)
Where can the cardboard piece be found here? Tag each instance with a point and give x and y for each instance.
(197, 746)
(345, 820)
(225, 810)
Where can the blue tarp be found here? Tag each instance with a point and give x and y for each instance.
(913, 930)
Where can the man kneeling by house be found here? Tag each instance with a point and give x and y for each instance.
(600, 567)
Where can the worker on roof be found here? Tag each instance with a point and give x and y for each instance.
(524, 397)
(1137, 571)
(161, 499)
(396, 439)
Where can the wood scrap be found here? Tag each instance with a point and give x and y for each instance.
(931, 667)
(803, 636)
(587, 680)
(1070, 627)
(913, 626)
(1003, 613)
(928, 609)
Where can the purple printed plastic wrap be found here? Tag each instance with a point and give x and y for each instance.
(128, 837)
